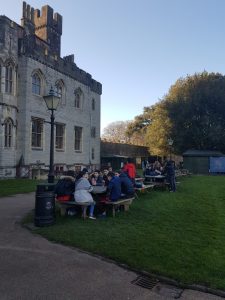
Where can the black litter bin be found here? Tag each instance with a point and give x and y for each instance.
(45, 205)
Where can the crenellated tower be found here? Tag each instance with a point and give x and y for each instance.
(46, 25)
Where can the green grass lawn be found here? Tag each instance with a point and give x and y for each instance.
(180, 235)
(17, 186)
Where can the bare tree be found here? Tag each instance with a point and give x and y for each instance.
(116, 132)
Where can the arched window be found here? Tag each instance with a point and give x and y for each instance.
(77, 101)
(9, 79)
(8, 133)
(60, 91)
(78, 98)
(93, 104)
(36, 84)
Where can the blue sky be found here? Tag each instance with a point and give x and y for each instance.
(137, 48)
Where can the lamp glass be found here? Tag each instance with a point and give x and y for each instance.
(51, 100)
(170, 142)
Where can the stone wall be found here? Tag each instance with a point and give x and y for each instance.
(35, 47)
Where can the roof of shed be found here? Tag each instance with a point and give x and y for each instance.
(114, 156)
(196, 153)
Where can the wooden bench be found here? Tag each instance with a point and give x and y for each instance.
(124, 202)
(70, 204)
(143, 189)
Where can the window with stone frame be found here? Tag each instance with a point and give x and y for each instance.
(60, 136)
(78, 132)
(37, 133)
(8, 133)
(58, 90)
(92, 153)
(36, 84)
(93, 104)
(78, 98)
(93, 132)
(9, 79)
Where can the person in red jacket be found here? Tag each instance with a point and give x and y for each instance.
(130, 169)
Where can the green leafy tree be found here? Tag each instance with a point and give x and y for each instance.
(196, 109)
(192, 114)
(136, 129)
(140, 122)
(159, 130)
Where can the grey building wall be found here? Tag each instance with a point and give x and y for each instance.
(29, 53)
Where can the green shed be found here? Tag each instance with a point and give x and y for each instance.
(198, 161)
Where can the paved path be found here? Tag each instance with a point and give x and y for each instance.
(32, 268)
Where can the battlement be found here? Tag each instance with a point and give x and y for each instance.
(41, 41)
(69, 58)
(48, 19)
(44, 19)
(28, 12)
(46, 25)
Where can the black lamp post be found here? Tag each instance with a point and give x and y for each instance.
(52, 102)
(170, 143)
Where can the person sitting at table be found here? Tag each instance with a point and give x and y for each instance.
(130, 169)
(110, 169)
(83, 190)
(96, 178)
(114, 187)
(157, 167)
(113, 193)
(151, 171)
(127, 187)
(105, 178)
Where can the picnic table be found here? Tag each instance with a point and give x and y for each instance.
(144, 189)
(70, 204)
(156, 180)
(98, 189)
(139, 179)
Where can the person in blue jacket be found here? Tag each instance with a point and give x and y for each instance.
(114, 187)
(127, 187)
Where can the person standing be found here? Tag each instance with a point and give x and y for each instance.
(170, 175)
(130, 169)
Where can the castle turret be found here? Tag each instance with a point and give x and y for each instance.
(27, 20)
(46, 25)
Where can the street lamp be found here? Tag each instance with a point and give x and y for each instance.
(52, 102)
(170, 143)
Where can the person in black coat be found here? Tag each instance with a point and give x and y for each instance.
(169, 171)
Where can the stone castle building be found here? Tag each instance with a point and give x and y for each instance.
(30, 64)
